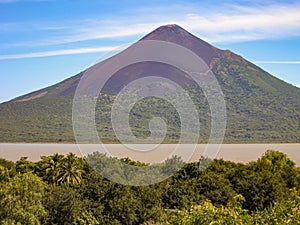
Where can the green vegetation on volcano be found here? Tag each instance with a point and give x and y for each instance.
(260, 109)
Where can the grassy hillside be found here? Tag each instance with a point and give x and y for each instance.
(260, 108)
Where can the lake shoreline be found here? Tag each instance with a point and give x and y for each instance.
(243, 153)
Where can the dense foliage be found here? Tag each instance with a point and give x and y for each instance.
(67, 190)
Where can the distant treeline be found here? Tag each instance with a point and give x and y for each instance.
(68, 190)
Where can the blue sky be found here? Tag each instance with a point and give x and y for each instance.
(45, 41)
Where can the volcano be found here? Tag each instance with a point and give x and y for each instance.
(260, 107)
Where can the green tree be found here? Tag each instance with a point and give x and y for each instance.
(215, 187)
(121, 205)
(7, 164)
(207, 214)
(4, 174)
(284, 212)
(50, 168)
(71, 170)
(263, 183)
(23, 165)
(57, 169)
(61, 205)
(7, 170)
(21, 200)
(150, 206)
(282, 166)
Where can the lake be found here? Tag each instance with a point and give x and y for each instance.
(233, 152)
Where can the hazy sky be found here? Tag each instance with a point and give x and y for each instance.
(45, 41)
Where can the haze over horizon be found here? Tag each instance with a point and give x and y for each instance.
(45, 41)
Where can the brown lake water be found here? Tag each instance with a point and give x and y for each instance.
(233, 152)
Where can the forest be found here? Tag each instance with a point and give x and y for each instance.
(67, 189)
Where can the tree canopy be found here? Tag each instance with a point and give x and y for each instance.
(67, 190)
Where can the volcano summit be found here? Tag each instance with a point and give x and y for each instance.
(260, 107)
